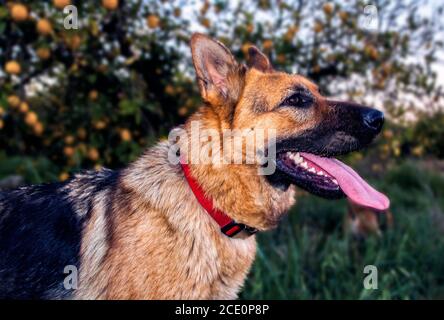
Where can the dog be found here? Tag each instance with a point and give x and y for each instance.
(178, 229)
(362, 222)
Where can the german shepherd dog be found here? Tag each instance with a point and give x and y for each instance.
(160, 229)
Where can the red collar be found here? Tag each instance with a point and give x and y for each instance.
(228, 226)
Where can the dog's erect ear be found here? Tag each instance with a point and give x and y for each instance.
(219, 76)
(258, 60)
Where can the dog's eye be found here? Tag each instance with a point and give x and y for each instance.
(299, 100)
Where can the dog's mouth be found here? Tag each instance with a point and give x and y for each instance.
(329, 178)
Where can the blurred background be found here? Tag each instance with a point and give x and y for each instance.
(97, 95)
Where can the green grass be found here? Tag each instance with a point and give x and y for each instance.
(310, 257)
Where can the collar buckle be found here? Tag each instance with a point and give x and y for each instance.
(238, 230)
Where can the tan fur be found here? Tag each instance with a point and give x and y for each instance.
(156, 241)
(163, 245)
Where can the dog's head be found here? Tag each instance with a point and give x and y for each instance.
(310, 128)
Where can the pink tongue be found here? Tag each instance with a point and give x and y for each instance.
(351, 183)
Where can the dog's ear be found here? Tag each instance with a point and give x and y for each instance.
(219, 76)
(258, 60)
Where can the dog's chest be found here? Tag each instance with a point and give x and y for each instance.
(227, 267)
(155, 262)
(206, 266)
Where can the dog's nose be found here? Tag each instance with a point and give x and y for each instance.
(373, 120)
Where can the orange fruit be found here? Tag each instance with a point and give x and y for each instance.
(13, 67)
(418, 151)
(371, 51)
(152, 21)
(63, 176)
(19, 12)
(343, 15)
(60, 4)
(267, 44)
(169, 89)
(289, 35)
(205, 8)
(386, 68)
(13, 101)
(205, 22)
(281, 58)
(68, 151)
(110, 4)
(99, 125)
(245, 48)
(38, 128)
(177, 12)
(182, 111)
(43, 53)
(24, 107)
(328, 8)
(44, 27)
(125, 135)
(189, 102)
(316, 69)
(31, 118)
(388, 134)
(93, 154)
(318, 27)
(81, 133)
(69, 139)
(93, 95)
(74, 42)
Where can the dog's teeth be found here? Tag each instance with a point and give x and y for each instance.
(312, 170)
(335, 181)
(304, 165)
(320, 173)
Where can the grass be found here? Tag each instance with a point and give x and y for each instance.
(310, 257)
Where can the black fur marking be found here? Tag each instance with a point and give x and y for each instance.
(342, 130)
(40, 234)
(339, 133)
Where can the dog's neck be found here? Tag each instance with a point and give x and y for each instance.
(228, 226)
(236, 189)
